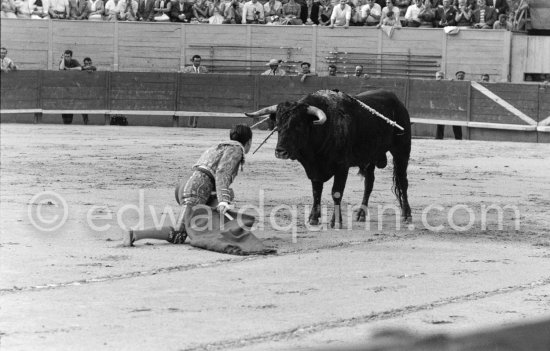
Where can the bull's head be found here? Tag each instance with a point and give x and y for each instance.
(293, 121)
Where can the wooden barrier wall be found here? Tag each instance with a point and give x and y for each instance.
(492, 109)
(168, 47)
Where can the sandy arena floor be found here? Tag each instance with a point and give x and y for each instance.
(75, 288)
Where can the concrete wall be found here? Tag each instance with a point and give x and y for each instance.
(168, 47)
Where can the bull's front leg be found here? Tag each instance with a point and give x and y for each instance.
(340, 179)
(315, 214)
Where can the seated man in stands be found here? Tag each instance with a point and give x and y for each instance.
(180, 11)
(7, 63)
(332, 71)
(79, 10)
(341, 15)
(484, 17)
(232, 12)
(411, 16)
(196, 66)
(359, 72)
(390, 8)
(370, 13)
(502, 23)
(446, 15)
(253, 13)
(201, 11)
(310, 12)
(128, 10)
(274, 69)
(501, 6)
(88, 66)
(273, 11)
(306, 71)
(59, 9)
(112, 9)
(146, 10)
(463, 14)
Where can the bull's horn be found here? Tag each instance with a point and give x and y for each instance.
(321, 117)
(264, 111)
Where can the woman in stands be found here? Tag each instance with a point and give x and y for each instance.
(97, 10)
(162, 7)
(291, 13)
(463, 16)
(200, 11)
(8, 9)
(24, 8)
(216, 12)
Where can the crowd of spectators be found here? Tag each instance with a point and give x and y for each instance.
(497, 14)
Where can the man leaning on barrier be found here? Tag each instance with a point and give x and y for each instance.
(206, 216)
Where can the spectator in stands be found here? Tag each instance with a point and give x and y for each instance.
(67, 63)
(216, 12)
(501, 6)
(196, 66)
(24, 8)
(332, 71)
(291, 13)
(463, 14)
(502, 23)
(180, 11)
(146, 10)
(8, 9)
(355, 19)
(97, 10)
(309, 14)
(274, 69)
(325, 11)
(402, 5)
(371, 13)
(446, 15)
(393, 9)
(233, 12)
(253, 13)
(341, 15)
(7, 63)
(306, 71)
(484, 16)
(359, 72)
(411, 16)
(457, 130)
(439, 75)
(427, 14)
(40, 10)
(201, 11)
(484, 78)
(112, 9)
(471, 4)
(59, 9)
(88, 66)
(128, 10)
(79, 9)
(273, 11)
(162, 8)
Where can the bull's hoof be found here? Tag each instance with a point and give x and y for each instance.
(361, 216)
(407, 220)
(336, 225)
(313, 221)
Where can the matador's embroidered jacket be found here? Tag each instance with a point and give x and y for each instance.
(221, 162)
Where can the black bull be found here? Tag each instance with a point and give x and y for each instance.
(328, 132)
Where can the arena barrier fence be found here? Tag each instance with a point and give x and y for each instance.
(517, 112)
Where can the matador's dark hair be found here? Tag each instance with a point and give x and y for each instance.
(241, 133)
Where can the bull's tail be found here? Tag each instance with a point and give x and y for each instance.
(401, 152)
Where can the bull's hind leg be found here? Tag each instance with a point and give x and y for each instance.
(317, 187)
(340, 179)
(400, 181)
(367, 172)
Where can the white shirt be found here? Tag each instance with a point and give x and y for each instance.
(341, 16)
(412, 12)
(59, 5)
(376, 10)
(248, 11)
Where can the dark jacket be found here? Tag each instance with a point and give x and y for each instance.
(314, 13)
(146, 10)
(490, 16)
(448, 18)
